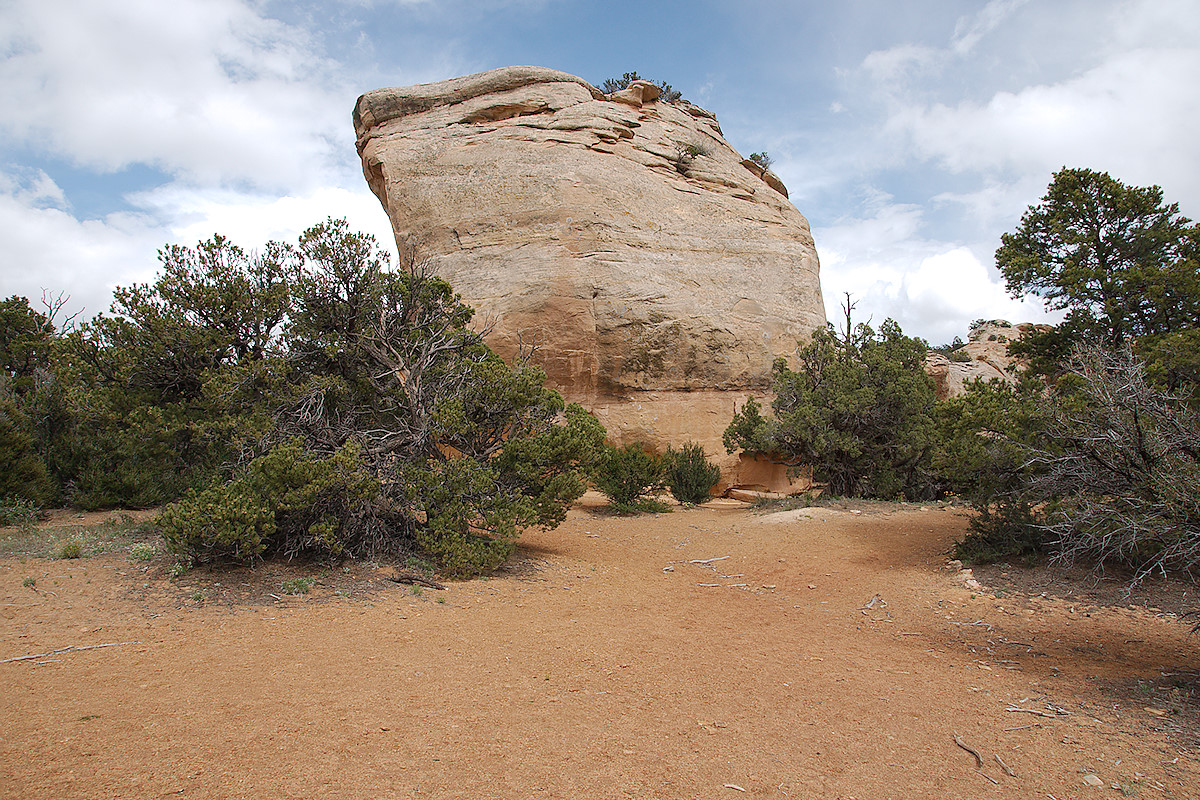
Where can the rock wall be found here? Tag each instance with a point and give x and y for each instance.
(656, 271)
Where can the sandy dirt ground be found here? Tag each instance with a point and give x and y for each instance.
(707, 653)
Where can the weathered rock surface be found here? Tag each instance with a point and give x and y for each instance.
(987, 348)
(658, 273)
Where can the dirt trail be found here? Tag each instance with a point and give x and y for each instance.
(604, 663)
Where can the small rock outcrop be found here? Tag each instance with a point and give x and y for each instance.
(985, 355)
(656, 271)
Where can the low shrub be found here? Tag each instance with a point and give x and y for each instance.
(143, 551)
(18, 512)
(297, 586)
(688, 474)
(286, 501)
(1005, 530)
(643, 505)
(72, 548)
(763, 159)
(626, 474)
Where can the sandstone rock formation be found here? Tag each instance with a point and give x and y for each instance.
(987, 357)
(657, 272)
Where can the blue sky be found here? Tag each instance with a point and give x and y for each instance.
(910, 134)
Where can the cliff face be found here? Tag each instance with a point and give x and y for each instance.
(657, 272)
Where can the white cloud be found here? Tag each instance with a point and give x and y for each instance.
(244, 113)
(49, 249)
(33, 187)
(933, 289)
(901, 62)
(970, 30)
(251, 219)
(205, 89)
(1122, 116)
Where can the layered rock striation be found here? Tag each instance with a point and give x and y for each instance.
(657, 273)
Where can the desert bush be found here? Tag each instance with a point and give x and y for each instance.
(1108, 475)
(627, 474)
(394, 429)
(1120, 479)
(18, 512)
(287, 501)
(71, 548)
(686, 155)
(859, 410)
(296, 586)
(981, 458)
(143, 551)
(688, 474)
(24, 477)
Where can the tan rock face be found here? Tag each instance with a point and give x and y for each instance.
(652, 267)
(989, 358)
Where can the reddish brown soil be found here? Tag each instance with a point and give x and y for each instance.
(600, 664)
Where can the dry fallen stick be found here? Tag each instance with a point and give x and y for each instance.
(68, 649)
(410, 578)
(1024, 727)
(877, 600)
(709, 561)
(978, 758)
(734, 786)
(1007, 770)
(989, 777)
(1032, 711)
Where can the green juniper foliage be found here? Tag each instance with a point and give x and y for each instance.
(859, 410)
(1100, 463)
(688, 474)
(627, 474)
(310, 397)
(393, 428)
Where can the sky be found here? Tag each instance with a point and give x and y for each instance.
(911, 135)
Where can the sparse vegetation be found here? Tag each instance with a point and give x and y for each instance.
(762, 159)
(18, 512)
(297, 586)
(668, 95)
(143, 551)
(71, 548)
(686, 155)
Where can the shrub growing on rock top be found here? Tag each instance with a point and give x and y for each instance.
(763, 159)
(668, 95)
